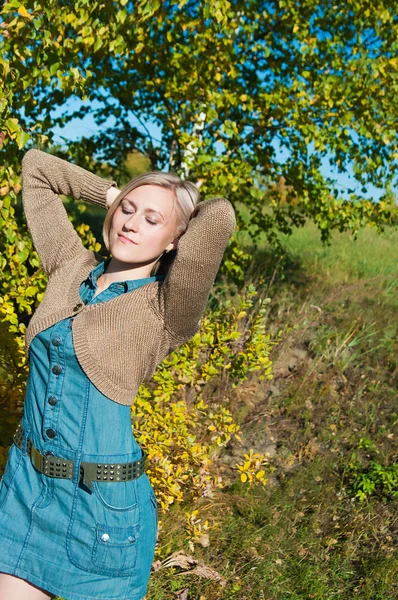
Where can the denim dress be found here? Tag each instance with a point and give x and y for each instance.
(73, 541)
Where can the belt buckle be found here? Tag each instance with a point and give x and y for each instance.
(37, 458)
(85, 479)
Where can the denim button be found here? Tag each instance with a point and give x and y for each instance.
(52, 400)
(57, 341)
(51, 433)
(57, 369)
(105, 537)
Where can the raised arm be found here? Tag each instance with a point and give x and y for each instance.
(44, 176)
(200, 249)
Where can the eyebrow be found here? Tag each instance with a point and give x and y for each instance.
(146, 210)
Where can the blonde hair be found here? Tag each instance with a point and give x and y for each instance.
(185, 198)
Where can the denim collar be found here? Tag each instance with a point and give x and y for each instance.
(128, 285)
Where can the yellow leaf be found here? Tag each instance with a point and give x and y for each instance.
(24, 13)
(243, 477)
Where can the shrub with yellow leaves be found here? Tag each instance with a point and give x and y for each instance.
(178, 418)
(252, 470)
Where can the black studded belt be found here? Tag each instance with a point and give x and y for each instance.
(54, 466)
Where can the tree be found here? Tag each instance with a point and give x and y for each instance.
(311, 78)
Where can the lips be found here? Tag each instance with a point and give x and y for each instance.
(126, 240)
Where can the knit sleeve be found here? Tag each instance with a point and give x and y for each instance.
(44, 176)
(189, 280)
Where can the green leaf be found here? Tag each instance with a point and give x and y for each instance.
(12, 125)
(22, 138)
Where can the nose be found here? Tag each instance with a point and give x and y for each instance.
(131, 223)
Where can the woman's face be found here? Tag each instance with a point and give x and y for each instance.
(141, 226)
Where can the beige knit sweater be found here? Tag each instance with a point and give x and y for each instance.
(118, 343)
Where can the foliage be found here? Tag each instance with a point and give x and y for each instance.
(252, 468)
(371, 477)
(173, 421)
(376, 479)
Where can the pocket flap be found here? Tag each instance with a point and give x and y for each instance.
(116, 536)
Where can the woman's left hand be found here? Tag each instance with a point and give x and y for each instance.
(111, 194)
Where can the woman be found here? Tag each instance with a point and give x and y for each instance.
(78, 515)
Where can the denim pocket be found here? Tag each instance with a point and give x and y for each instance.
(102, 538)
(14, 457)
(115, 549)
(120, 496)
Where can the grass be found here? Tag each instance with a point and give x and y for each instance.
(330, 410)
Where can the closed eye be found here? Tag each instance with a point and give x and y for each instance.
(128, 212)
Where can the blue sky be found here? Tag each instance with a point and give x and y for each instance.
(86, 126)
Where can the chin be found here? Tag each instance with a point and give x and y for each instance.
(123, 258)
(122, 254)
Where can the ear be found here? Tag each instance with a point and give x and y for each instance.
(174, 243)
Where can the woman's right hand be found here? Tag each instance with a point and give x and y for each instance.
(111, 194)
